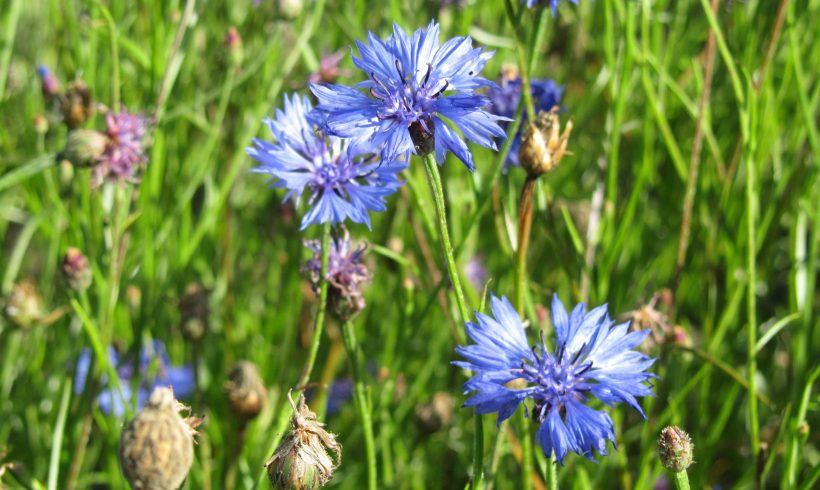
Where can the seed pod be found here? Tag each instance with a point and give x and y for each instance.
(194, 312)
(302, 462)
(77, 105)
(245, 390)
(675, 449)
(75, 269)
(24, 307)
(543, 145)
(157, 446)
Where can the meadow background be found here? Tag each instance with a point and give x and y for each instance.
(608, 228)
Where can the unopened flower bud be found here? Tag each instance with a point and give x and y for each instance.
(302, 461)
(157, 446)
(75, 269)
(675, 449)
(49, 83)
(24, 307)
(84, 147)
(234, 44)
(194, 312)
(40, 124)
(77, 105)
(543, 145)
(289, 9)
(246, 392)
(436, 414)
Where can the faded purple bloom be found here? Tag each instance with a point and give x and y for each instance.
(346, 274)
(476, 272)
(505, 98)
(329, 69)
(414, 85)
(50, 84)
(154, 370)
(125, 152)
(593, 357)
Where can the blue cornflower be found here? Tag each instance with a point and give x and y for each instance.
(553, 4)
(592, 358)
(414, 85)
(345, 178)
(504, 99)
(154, 370)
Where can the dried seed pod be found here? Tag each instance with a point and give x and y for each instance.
(301, 462)
(157, 446)
(77, 104)
(543, 145)
(246, 391)
(194, 312)
(24, 307)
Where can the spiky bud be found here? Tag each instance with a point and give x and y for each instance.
(157, 446)
(194, 312)
(24, 307)
(675, 449)
(77, 105)
(543, 145)
(84, 147)
(75, 269)
(302, 461)
(246, 391)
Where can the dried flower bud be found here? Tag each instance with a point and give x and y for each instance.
(543, 145)
(84, 147)
(302, 462)
(194, 312)
(24, 307)
(77, 105)
(435, 414)
(423, 134)
(246, 391)
(675, 449)
(75, 269)
(157, 446)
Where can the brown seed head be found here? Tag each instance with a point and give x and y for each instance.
(77, 105)
(156, 447)
(543, 145)
(24, 307)
(194, 311)
(246, 391)
(302, 461)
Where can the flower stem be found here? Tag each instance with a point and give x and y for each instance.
(680, 479)
(437, 191)
(319, 321)
(361, 400)
(552, 474)
(524, 227)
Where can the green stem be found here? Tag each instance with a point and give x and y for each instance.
(319, 322)
(751, 362)
(552, 474)
(361, 401)
(523, 64)
(680, 479)
(437, 191)
(115, 57)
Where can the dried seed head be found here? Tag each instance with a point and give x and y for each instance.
(84, 147)
(157, 446)
(194, 312)
(435, 414)
(543, 145)
(24, 307)
(77, 105)
(75, 269)
(675, 449)
(245, 390)
(302, 461)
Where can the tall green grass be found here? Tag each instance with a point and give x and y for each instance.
(607, 229)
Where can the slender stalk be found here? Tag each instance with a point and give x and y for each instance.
(680, 479)
(552, 474)
(751, 362)
(360, 398)
(319, 322)
(524, 227)
(437, 191)
(523, 63)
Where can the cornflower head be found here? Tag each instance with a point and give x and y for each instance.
(553, 4)
(346, 274)
(504, 100)
(414, 84)
(345, 179)
(593, 358)
(125, 151)
(154, 370)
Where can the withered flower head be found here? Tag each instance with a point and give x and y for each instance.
(23, 307)
(543, 145)
(77, 104)
(245, 390)
(157, 446)
(75, 269)
(302, 461)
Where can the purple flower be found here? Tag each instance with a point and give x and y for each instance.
(154, 369)
(345, 179)
(125, 152)
(50, 85)
(346, 274)
(505, 97)
(593, 358)
(553, 4)
(414, 84)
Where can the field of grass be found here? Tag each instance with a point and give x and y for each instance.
(690, 198)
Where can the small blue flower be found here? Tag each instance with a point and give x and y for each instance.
(414, 85)
(154, 370)
(345, 179)
(505, 97)
(553, 4)
(593, 358)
